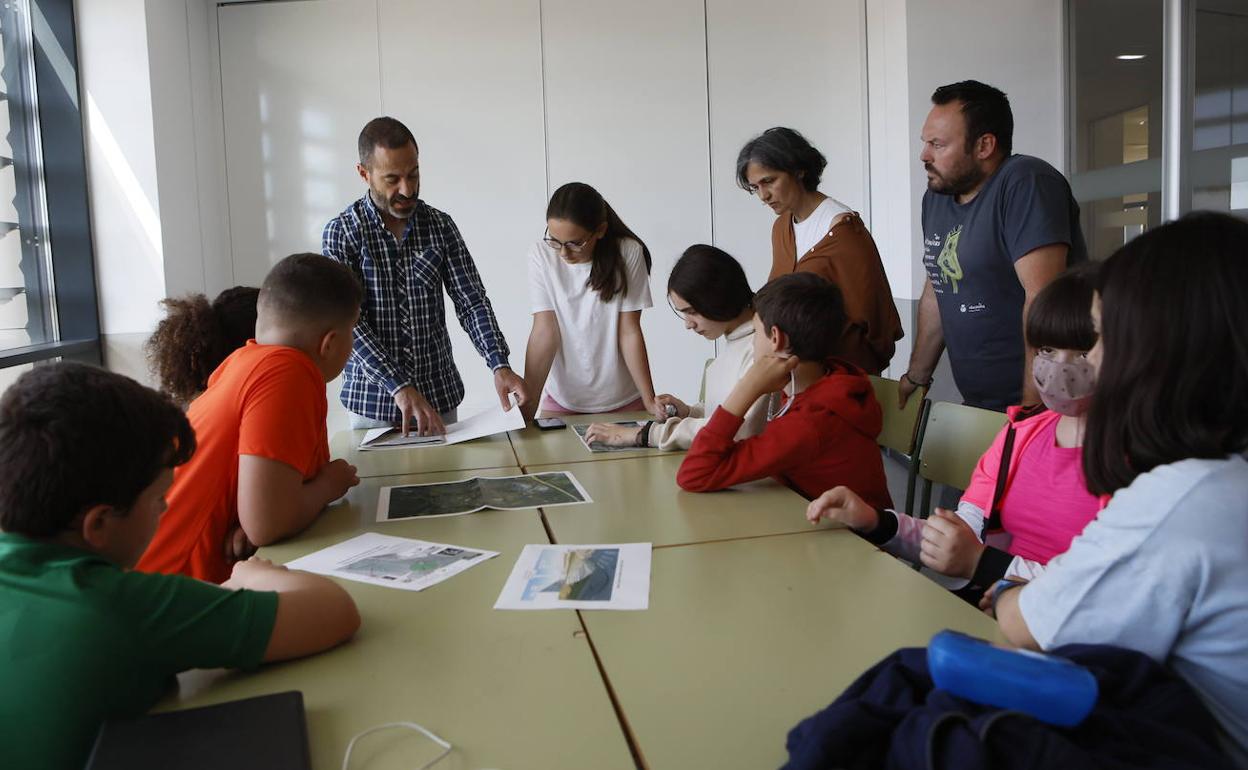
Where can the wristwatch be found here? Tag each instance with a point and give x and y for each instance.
(906, 376)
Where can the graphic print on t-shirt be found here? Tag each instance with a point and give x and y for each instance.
(950, 268)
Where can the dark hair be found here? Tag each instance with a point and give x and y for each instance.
(1173, 380)
(806, 307)
(311, 289)
(712, 282)
(583, 206)
(73, 436)
(986, 110)
(383, 132)
(784, 150)
(196, 335)
(1060, 316)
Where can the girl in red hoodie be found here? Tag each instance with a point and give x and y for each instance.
(823, 434)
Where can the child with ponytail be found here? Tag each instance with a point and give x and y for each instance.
(589, 280)
(196, 336)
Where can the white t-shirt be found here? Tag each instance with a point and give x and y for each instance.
(811, 230)
(1163, 569)
(588, 373)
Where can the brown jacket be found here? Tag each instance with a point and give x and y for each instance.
(847, 257)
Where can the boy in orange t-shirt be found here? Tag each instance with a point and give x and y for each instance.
(263, 462)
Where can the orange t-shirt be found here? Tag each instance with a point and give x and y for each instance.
(264, 400)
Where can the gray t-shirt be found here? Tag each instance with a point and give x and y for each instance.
(969, 252)
(1163, 569)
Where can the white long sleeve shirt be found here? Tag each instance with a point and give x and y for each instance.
(724, 372)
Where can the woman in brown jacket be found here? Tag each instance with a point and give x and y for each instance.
(817, 234)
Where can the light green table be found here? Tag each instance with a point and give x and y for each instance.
(556, 447)
(743, 639)
(509, 689)
(637, 500)
(489, 452)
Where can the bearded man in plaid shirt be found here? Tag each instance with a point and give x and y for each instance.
(406, 253)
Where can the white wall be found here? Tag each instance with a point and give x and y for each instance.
(795, 63)
(155, 162)
(173, 135)
(893, 144)
(648, 101)
(190, 157)
(298, 82)
(626, 112)
(121, 163)
(167, 221)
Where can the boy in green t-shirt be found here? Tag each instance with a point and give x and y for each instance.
(86, 457)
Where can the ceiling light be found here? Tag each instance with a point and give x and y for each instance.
(1129, 56)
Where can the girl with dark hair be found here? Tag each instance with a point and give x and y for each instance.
(1163, 569)
(589, 280)
(196, 336)
(817, 234)
(1027, 498)
(707, 290)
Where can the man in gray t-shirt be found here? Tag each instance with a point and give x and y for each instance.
(997, 228)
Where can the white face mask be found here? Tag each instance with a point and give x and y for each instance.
(792, 389)
(1064, 386)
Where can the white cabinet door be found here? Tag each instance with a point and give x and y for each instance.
(626, 113)
(795, 63)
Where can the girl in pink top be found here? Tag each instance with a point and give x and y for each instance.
(1044, 502)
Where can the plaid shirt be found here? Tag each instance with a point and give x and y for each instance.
(401, 338)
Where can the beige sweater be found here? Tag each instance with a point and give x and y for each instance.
(721, 376)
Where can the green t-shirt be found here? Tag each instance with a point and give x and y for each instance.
(82, 641)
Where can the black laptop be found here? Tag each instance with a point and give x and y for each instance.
(268, 732)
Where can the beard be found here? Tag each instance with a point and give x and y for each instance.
(387, 204)
(961, 180)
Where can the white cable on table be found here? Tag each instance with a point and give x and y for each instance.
(446, 746)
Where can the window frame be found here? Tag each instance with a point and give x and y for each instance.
(74, 300)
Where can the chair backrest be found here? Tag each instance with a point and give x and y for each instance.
(953, 441)
(901, 426)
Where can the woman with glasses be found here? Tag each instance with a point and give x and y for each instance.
(589, 280)
(708, 290)
(817, 234)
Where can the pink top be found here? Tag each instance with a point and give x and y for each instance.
(1046, 502)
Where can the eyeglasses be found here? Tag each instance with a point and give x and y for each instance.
(576, 247)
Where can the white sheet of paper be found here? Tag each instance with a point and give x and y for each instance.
(456, 498)
(579, 577)
(394, 562)
(486, 422)
(373, 440)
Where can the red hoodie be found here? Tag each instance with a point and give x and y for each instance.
(826, 439)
